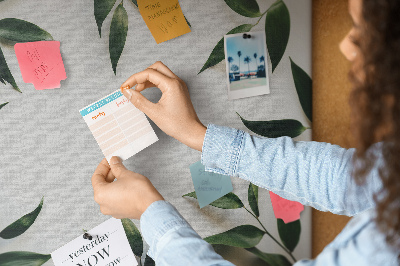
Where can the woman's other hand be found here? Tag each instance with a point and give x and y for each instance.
(127, 197)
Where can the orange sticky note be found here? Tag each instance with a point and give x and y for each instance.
(41, 63)
(164, 18)
(288, 211)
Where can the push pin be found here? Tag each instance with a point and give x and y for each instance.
(87, 235)
(246, 36)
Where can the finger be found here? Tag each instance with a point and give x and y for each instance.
(100, 174)
(160, 67)
(142, 86)
(110, 177)
(140, 102)
(159, 80)
(118, 169)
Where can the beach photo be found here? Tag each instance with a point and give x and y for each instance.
(246, 64)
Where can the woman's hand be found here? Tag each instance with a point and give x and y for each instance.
(127, 197)
(174, 113)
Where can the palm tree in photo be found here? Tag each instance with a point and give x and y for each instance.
(247, 60)
(239, 54)
(230, 60)
(262, 59)
(255, 58)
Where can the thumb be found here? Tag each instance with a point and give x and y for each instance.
(138, 100)
(117, 167)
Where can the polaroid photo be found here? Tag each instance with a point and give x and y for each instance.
(246, 64)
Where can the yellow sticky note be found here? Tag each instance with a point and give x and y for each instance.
(164, 18)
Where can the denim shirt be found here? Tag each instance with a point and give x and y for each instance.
(312, 173)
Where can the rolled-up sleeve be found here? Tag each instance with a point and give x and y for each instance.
(313, 173)
(172, 240)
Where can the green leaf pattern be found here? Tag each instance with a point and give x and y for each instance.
(134, 238)
(275, 128)
(277, 30)
(247, 8)
(22, 224)
(16, 258)
(303, 84)
(101, 10)
(228, 201)
(118, 32)
(289, 233)
(5, 74)
(17, 30)
(243, 236)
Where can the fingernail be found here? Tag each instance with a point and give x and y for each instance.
(129, 92)
(124, 88)
(115, 160)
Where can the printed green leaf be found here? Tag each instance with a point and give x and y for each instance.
(17, 30)
(218, 54)
(3, 104)
(187, 21)
(101, 10)
(118, 32)
(22, 224)
(247, 8)
(228, 201)
(277, 30)
(289, 233)
(23, 258)
(270, 258)
(148, 261)
(5, 74)
(303, 84)
(242, 236)
(253, 198)
(275, 128)
(134, 238)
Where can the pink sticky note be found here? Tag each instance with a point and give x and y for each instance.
(284, 209)
(41, 63)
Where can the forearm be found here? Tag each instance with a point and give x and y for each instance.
(312, 173)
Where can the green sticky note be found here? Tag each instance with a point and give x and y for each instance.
(209, 186)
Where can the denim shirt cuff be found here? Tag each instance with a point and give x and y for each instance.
(222, 148)
(158, 219)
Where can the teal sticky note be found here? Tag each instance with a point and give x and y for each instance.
(209, 186)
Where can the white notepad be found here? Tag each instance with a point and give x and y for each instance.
(118, 126)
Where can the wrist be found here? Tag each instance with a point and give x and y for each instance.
(196, 137)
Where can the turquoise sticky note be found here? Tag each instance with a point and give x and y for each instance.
(209, 186)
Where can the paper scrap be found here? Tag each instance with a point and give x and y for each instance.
(288, 211)
(164, 18)
(109, 246)
(209, 186)
(118, 126)
(41, 63)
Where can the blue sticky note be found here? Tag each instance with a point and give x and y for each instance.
(209, 186)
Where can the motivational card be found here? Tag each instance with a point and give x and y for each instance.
(287, 210)
(109, 246)
(209, 186)
(41, 63)
(164, 18)
(118, 126)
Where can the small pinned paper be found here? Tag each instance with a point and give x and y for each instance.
(118, 126)
(209, 186)
(288, 211)
(41, 63)
(164, 18)
(109, 246)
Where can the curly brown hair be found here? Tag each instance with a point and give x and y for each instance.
(375, 103)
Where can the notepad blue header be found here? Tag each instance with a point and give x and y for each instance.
(100, 103)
